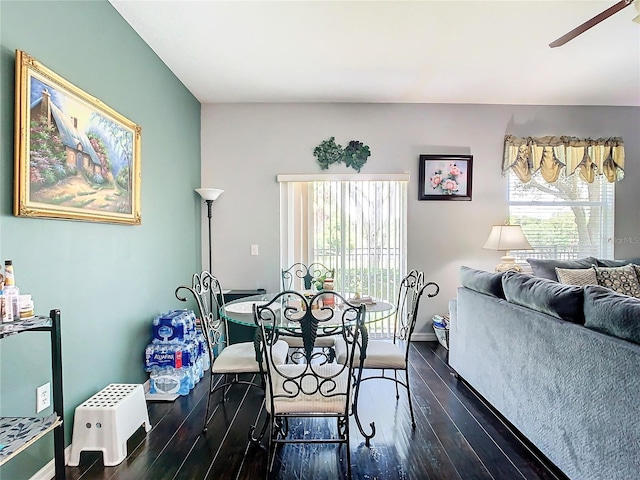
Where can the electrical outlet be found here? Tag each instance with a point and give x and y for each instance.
(43, 397)
(254, 249)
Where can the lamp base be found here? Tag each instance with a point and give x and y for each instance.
(508, 263)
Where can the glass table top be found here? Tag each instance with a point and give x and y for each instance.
(241, 311)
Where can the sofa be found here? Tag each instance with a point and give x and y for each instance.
(559, 362)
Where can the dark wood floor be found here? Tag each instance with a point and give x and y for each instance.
(456, 437)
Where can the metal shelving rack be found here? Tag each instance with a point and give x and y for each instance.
(18, 433)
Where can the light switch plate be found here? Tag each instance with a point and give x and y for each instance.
(254, 249)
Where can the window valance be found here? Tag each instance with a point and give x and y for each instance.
(589, 157)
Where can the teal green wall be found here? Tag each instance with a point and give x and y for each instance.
(107, 280)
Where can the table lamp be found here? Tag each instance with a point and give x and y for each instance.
(209, 195)
(507, 237)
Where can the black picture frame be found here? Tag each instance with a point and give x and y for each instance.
(445, 177)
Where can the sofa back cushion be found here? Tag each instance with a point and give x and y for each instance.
(612, 313)
(617, 263)
(547, 268)
(544, 295)
(489, 283)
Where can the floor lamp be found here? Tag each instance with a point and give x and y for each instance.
(209, 195)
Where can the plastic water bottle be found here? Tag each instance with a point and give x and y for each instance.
(11, 293)
(169, 380)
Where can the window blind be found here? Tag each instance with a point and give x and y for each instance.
(566, 219)
(356, 227)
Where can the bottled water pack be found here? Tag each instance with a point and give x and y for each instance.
(177, 356)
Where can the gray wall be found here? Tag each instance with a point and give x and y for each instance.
(244, 147)
(107, 280)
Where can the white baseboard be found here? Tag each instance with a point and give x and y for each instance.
(49, 470)
(424, 337)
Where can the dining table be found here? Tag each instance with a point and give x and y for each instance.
(240, 312)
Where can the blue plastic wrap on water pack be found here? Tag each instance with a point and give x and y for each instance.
(176, 355)
(174, 326)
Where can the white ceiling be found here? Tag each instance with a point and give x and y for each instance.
(489, 52)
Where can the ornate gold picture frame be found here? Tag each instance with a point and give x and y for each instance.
(75, 158)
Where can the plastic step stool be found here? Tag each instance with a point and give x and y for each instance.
(106, 421)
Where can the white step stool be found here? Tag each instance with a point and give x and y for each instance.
(107, 420)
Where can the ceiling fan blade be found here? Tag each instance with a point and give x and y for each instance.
(591, 23)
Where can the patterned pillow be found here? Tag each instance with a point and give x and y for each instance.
(577, 276)
(619, 279)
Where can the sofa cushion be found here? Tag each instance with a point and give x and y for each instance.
(577, 276)
(547, 268)
(620, 279)
(544, 295)
(602, 262)
(612, 313)
(489, 283)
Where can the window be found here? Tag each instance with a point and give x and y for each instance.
(353, 223)
(567, 219)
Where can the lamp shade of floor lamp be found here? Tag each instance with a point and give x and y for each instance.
(506, 238)
(209, 195)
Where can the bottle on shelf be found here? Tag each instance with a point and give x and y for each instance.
(11, 293)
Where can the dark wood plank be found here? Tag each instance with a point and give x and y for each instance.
(456, 437)
(225, 445)
(487, 434)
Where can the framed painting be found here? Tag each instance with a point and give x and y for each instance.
(445, 177)
(75, 158)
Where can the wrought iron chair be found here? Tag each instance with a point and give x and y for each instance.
(305, 273)
(231, 360)
(311, 388)
(394, 355)
(291, 281)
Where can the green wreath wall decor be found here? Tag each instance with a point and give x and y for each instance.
(354, 155)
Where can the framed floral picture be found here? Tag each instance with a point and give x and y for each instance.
(75, 158)
(445, 177)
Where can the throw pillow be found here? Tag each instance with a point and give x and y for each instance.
(544, 295)
(547, 268)
(577, 276)
(619, 279)
(612, 313)
(488, 283)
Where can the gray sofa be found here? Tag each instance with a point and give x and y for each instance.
(535, 350)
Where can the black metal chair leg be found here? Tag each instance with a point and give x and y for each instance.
(413, 421)
(207, 410)
(260, 436)
(395, 377)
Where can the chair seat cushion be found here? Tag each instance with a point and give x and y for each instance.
(296, 342)
(287, 398)
(380, 354)
(241, 358)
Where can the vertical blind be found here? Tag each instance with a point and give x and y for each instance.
(357, 227)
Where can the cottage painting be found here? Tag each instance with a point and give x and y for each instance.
(75, 157)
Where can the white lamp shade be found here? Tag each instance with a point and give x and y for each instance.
(507, 237)
(209, 193)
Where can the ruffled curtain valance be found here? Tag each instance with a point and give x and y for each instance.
(550, 155)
